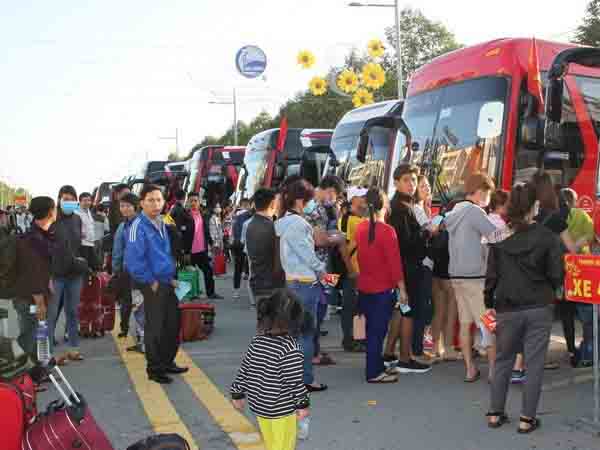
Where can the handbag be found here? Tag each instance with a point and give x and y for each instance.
(359, 325)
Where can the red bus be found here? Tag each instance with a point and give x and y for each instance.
(470, 110)
(215, 169)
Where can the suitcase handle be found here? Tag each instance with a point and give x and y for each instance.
(66, 398)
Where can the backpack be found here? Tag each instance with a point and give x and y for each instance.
(8, 264)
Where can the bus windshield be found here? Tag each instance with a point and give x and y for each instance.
(456, 130)
(256, 163)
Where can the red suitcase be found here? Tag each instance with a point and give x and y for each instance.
(197, 321)
(67, 424)
(17, 410)
(97, 307)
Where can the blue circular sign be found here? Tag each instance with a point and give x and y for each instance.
(251, 61)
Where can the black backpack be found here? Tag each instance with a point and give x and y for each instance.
(161, 442)
(8, 263)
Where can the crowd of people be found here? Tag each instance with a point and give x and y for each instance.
(402, 276)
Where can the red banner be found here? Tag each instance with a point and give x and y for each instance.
(582, 278)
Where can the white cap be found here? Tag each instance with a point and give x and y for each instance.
(356, 192)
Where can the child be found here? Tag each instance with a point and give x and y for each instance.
(271, 372)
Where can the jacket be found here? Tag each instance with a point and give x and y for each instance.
(148, 256)
(467, 224)
(238, 224)
(66, 260)
(260, 246)
(411, 238)
(297, 249)
(33, 264)
(184, 222)
(119, 244)
(524, 270)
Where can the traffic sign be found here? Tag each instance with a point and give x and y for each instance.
(251, 61)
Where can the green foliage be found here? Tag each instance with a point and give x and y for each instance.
(588, 33)
(422, 40)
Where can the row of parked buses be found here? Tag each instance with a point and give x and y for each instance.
(466, 111)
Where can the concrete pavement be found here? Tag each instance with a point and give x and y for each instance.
(432, 411)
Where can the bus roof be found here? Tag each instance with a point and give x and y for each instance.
(367, 112)
(498, 57)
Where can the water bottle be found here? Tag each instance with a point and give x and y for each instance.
(304, 428)
(43, 343)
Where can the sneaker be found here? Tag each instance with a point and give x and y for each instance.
(412, 367)
(518, 377)
(236, 294)
(390, 361)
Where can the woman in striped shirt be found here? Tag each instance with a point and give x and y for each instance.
(271, 374)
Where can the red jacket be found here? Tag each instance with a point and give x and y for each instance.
(380, 263)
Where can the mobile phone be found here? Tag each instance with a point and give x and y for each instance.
(404, 308)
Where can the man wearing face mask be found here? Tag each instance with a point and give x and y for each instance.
(33, 272)
(68, 269)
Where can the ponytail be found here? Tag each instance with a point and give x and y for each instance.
(375, 202)
(521, 203)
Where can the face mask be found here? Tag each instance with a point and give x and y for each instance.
(310, 207)
(68, 207)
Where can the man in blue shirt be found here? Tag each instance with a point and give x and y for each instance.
(150, 262)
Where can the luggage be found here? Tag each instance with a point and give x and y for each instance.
(67, 424)
(17, 410)
(97, 307)
(161, 442)
(197, 321)
(220, 268)
(190, 275)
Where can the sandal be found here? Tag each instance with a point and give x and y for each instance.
(75, 356)
(384, 378)
(474, 378)
(502, 419)
(533, 423)
(325, 360)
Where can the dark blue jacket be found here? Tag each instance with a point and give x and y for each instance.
(238, 224)
(119, 245)
(148, 256)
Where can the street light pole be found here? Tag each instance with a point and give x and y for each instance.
(398, 43)
(235, 122)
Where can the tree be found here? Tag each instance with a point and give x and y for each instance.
(588, 33)
(421, 41)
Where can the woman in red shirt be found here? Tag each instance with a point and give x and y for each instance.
(380, 273)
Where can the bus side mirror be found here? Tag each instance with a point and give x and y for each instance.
(554, 99)
(532, 133)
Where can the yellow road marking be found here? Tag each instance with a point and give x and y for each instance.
(156, 403)
(242, 432)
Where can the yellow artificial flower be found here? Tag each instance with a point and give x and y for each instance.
(373, 75)
(376, 48)
(362, 97)
(348, 81)
(306, 59)
(318, 86)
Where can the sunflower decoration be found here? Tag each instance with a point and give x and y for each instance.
(362, 97)
(348, 81)
(318, 86)
(373, 75)
(376, 48)
(306, 59)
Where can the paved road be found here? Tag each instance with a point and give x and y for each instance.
(429, 412)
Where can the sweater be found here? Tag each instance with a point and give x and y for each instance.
(297, 249)
(65, 253)
(380, 263)
(271, 377)
(33, 264)
(260, 246)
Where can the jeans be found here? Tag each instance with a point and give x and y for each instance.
(202, 261)
(378, 311)
(124, 286)
(528, 331)
(239, 265)
(350, 298)
(310, 294)
(422, 304)
(585, 313)
(27, 328)
(69, 291)
(321, 313)
(567, 312)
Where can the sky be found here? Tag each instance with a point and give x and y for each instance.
(89, 90)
